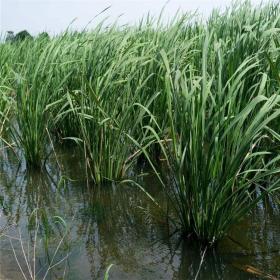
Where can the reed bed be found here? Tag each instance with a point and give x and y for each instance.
(197, 100)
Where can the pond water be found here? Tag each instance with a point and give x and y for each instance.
(80, 230)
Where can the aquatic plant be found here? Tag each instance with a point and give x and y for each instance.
(216, 163)
(3, 111)
(36, 85)
(104, 121)
(6, 104)
(202, 96)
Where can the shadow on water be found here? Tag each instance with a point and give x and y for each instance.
(95, 226)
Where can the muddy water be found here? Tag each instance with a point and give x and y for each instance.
(79, 230)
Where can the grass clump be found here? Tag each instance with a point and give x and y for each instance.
(105, 121)
(202, 95)
(215, 157)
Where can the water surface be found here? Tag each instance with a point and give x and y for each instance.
(115, 224)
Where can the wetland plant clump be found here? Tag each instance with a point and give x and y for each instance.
(198, 100)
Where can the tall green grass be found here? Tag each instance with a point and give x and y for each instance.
(202, 95)
(214, 149)
(6, 106)
(104, 121)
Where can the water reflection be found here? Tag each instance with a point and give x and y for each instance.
(116, 224)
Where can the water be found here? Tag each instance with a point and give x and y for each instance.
(115, 224)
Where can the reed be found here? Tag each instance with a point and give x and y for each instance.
(217, 165)
(203, 95)
(6, 104)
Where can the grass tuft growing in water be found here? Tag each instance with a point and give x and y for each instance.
(217, 168)
(202, 96)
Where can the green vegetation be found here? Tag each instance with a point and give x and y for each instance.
(216, 157)
(199, 101)
(5, 105)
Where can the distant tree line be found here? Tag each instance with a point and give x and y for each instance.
(23, 35)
